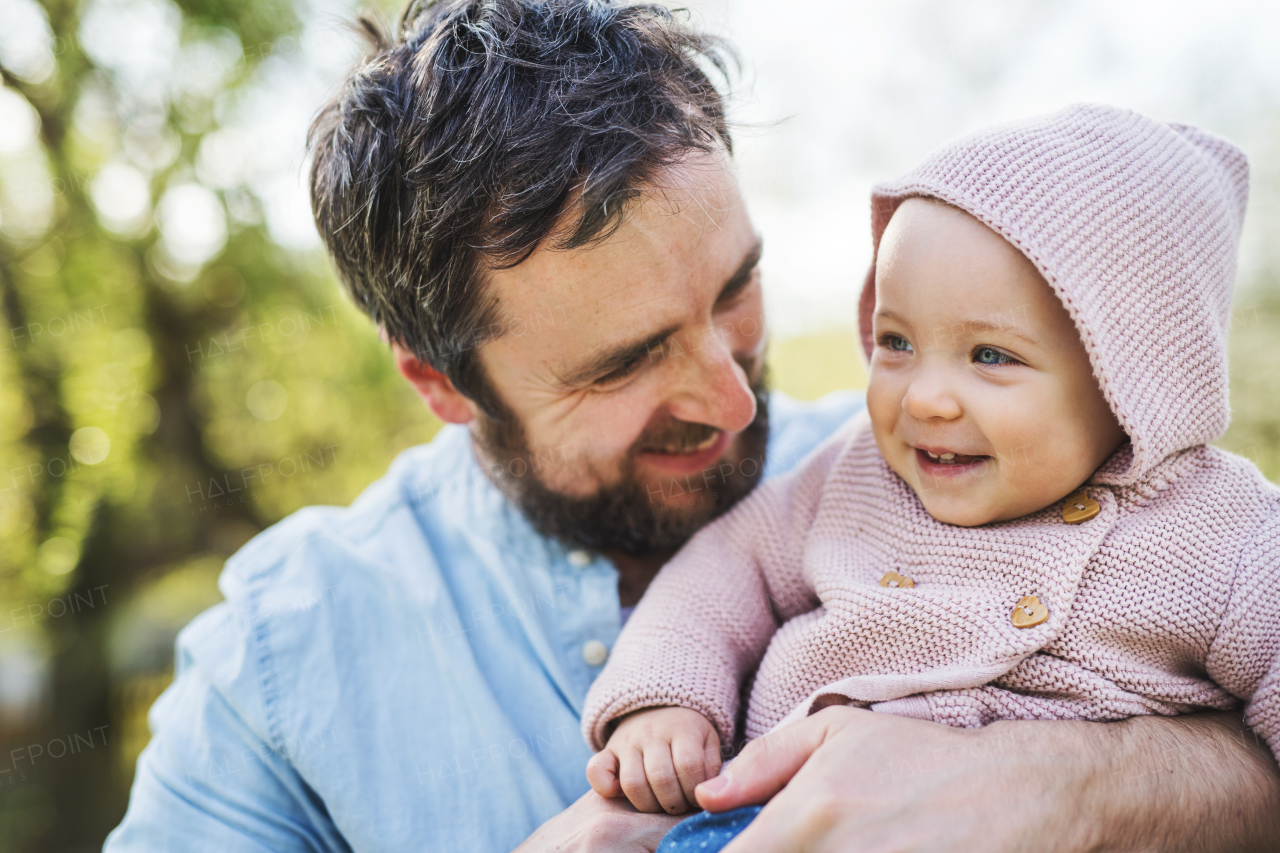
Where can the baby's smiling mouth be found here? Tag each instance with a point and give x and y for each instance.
(950, 458)
(941, 460)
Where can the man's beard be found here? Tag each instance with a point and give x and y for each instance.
(624, 516)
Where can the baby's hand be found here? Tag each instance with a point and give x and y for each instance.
(657, 757)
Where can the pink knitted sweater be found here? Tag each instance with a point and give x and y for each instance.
(1166, 602)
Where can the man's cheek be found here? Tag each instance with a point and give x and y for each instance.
(560, 449)
(564, 467)
(580, 463)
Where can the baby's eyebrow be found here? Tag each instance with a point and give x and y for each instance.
(970, 326)
(980, 327)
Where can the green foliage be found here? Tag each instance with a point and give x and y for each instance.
(810, 366)
(153, 415)
(1255, 379)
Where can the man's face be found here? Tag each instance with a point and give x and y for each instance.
(632, 370)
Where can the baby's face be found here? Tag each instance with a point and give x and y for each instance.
(981, 395)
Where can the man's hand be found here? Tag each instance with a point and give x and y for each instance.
(861, 781)
(596, 825)
(656, 757)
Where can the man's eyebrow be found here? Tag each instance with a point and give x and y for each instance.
(742, 275)
(617, 357)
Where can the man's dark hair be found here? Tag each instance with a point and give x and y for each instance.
(462, 144)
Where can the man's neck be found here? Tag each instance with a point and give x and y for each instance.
(635, 574)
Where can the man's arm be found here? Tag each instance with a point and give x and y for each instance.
(856, 780)
(208, 783)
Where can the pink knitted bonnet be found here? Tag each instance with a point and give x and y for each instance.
(1134, 224)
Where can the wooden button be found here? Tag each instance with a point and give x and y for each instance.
(1028, 613)
(896, 581)
(1079, 507)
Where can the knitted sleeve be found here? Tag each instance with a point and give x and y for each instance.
(1245, 656)
(706, 619)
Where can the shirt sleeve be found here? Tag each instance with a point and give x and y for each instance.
(1245, 656)
(208, 780)
(707, 618)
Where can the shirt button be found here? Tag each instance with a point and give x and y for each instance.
(1028, 613)
(594, 652)
(579, 559)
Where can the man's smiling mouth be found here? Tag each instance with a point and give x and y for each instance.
(688, 458)
(684, 447)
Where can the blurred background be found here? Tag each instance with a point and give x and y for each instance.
(170, 328)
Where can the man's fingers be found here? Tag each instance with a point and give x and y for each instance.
(661, 772)
(634, 782)
(689, 754)
(765, 766)
(602, 774)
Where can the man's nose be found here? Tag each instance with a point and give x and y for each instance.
(710, 387)
(931, 396)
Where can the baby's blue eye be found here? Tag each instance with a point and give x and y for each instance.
(989, 355)
(897, 343)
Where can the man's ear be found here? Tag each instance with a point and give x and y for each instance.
(447, 402)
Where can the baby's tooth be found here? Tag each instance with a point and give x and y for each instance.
(948, 456)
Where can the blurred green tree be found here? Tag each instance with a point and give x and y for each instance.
(161, 400)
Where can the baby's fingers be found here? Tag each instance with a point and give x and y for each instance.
(602, 774)
(697, 758)
(631, 776)
(661, 772)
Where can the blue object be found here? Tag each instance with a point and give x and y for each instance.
(406, 673)
(707, 832)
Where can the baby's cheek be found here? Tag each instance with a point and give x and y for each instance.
(1038, 473)
(883, 412)
(884, 403)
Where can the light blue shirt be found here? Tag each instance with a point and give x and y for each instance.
(405, 674)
